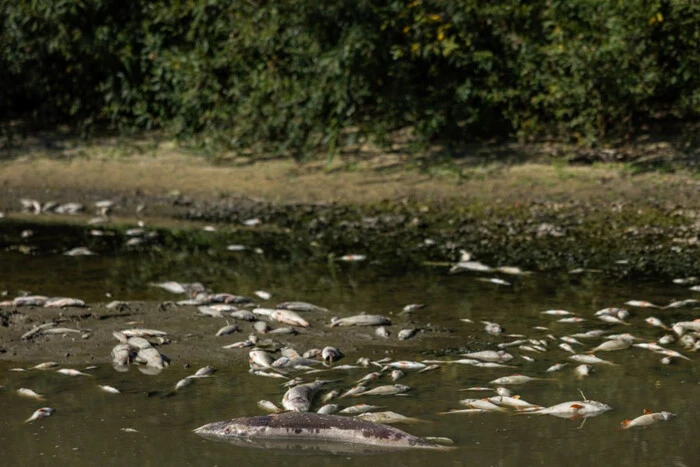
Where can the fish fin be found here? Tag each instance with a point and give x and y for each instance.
(576, 406)
(516, 397)
(647, 412)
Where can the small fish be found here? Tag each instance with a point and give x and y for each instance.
(329, 409)
(382, 331)
(387, 390)
(556, 367)
(612, 319)
(361, 320)
(387, 417)
(592, 359)
(359, 408)
(566, 347)
(570, 340)
(405, 365)
(71, 372)
(556, 313)
(494, 280)
(571, 319)
(40, 413)
(482, 404)
(110, 389)
(300, 397)
(514, 379)
(269, 406)
(593, 333)
(395, 375)
(45, 366)
(330, 395)
(331, 354)
(263, 295)
(492, 328)
(412, 307)
(352, 258)
(260, 358)
(184, 382)
(300, 306)
(612, 345)
(513, 402)
(470, 266)
(583, 370)
(30, 393)
(490, 356)
(574, 409)
(649, 418)
(226, 330)
(406, 334)
(289, 317)
(655, 322)
(369, 377)
(641, 304)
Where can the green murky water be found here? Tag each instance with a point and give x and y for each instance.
(86, 428)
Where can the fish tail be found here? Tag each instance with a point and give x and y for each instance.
(625, 424)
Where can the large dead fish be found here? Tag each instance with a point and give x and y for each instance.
(574, 409)
(303, 430)
(360, 320)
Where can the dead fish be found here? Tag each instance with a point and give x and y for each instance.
(30, 300)
(592, 359)
(361, 320)
(171, 286)
(299, 398)
(330, 395)
(492, 328)
(381, 331)
(395, 375)
(482, 404)
(269, 406)
(40, 413)
(260, 358)
(513, 402)
(556, 313)
(567, 347)
(64, 302)
(474, 266)
(45, 366)
(24, 392)
(514, 379)
(228, 329)
(655, 322)
(387, 390)
(239, 345)
(490, 355)
(649, 418)
(143, 333)
(405, 365)
(667, 339)
(593, 333)
(641, 304)
(571, 319)
(71, 372)
(289, 317)
(261, 326)
(612, 345)
(61, 331)
(359, 409)
(80, 251)
(36, 330)
(352, 258)
(299, 306)
(331, 432)
(152, 358)
(410, 308)
(244, 315)
(406, 334)
(353, 391)
(494, 280)
(329, 409)
(583, 370)
(331, 354)
(110, 389)
(387, 417)
(570, 340)
(556, 367)
(574, 409)
(121, 355)
(183, 382)
(209, 311)
(612, 319)
(262, 294)
(682, 303)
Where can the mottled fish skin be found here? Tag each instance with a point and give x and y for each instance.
(647, 419)
(316, 427)
(299, 398)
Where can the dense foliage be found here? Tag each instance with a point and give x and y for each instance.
(296, 75)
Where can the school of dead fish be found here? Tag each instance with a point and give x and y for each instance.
(314, 380)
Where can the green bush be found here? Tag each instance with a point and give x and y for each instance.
(297, 76)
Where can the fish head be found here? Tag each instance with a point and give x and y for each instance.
(665, 416)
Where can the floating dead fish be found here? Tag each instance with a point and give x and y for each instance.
(209, 311)
(583, 370)
(71, 372)
(492, 328)
(474, 266)
(612, 319)
(80, 251)
(261, 326)
(405, 365)
(641, 304)
(25, 392)
(143, 333)
(574, 409)
(331, 354)
(556, 313)
(260, 358)
(612, 345)
(514, 379)
(327, 432)
(269, 406)
(352, 258)
(592, 359)
(40, 413)
(239, 345)
(494, 280)
(571, 319)
(649, 418)
(482, 404)
(387, 390)
(490, 355)
(388, 417)
(512, 270)
(395, 375)
(556, 367)
(410, 308)
(262, 294)
(653, 321)
(361, 320)
(300, 306)
(64, 302)
(109, 389)
(244, 315)
(45, 366)
(329, 409)
(353, 391)
(30, 300)
(682, 303)
(359, 409)
(513, 402)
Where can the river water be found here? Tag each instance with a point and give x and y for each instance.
(88, 425)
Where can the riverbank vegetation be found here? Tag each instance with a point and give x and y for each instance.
(296, 78)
